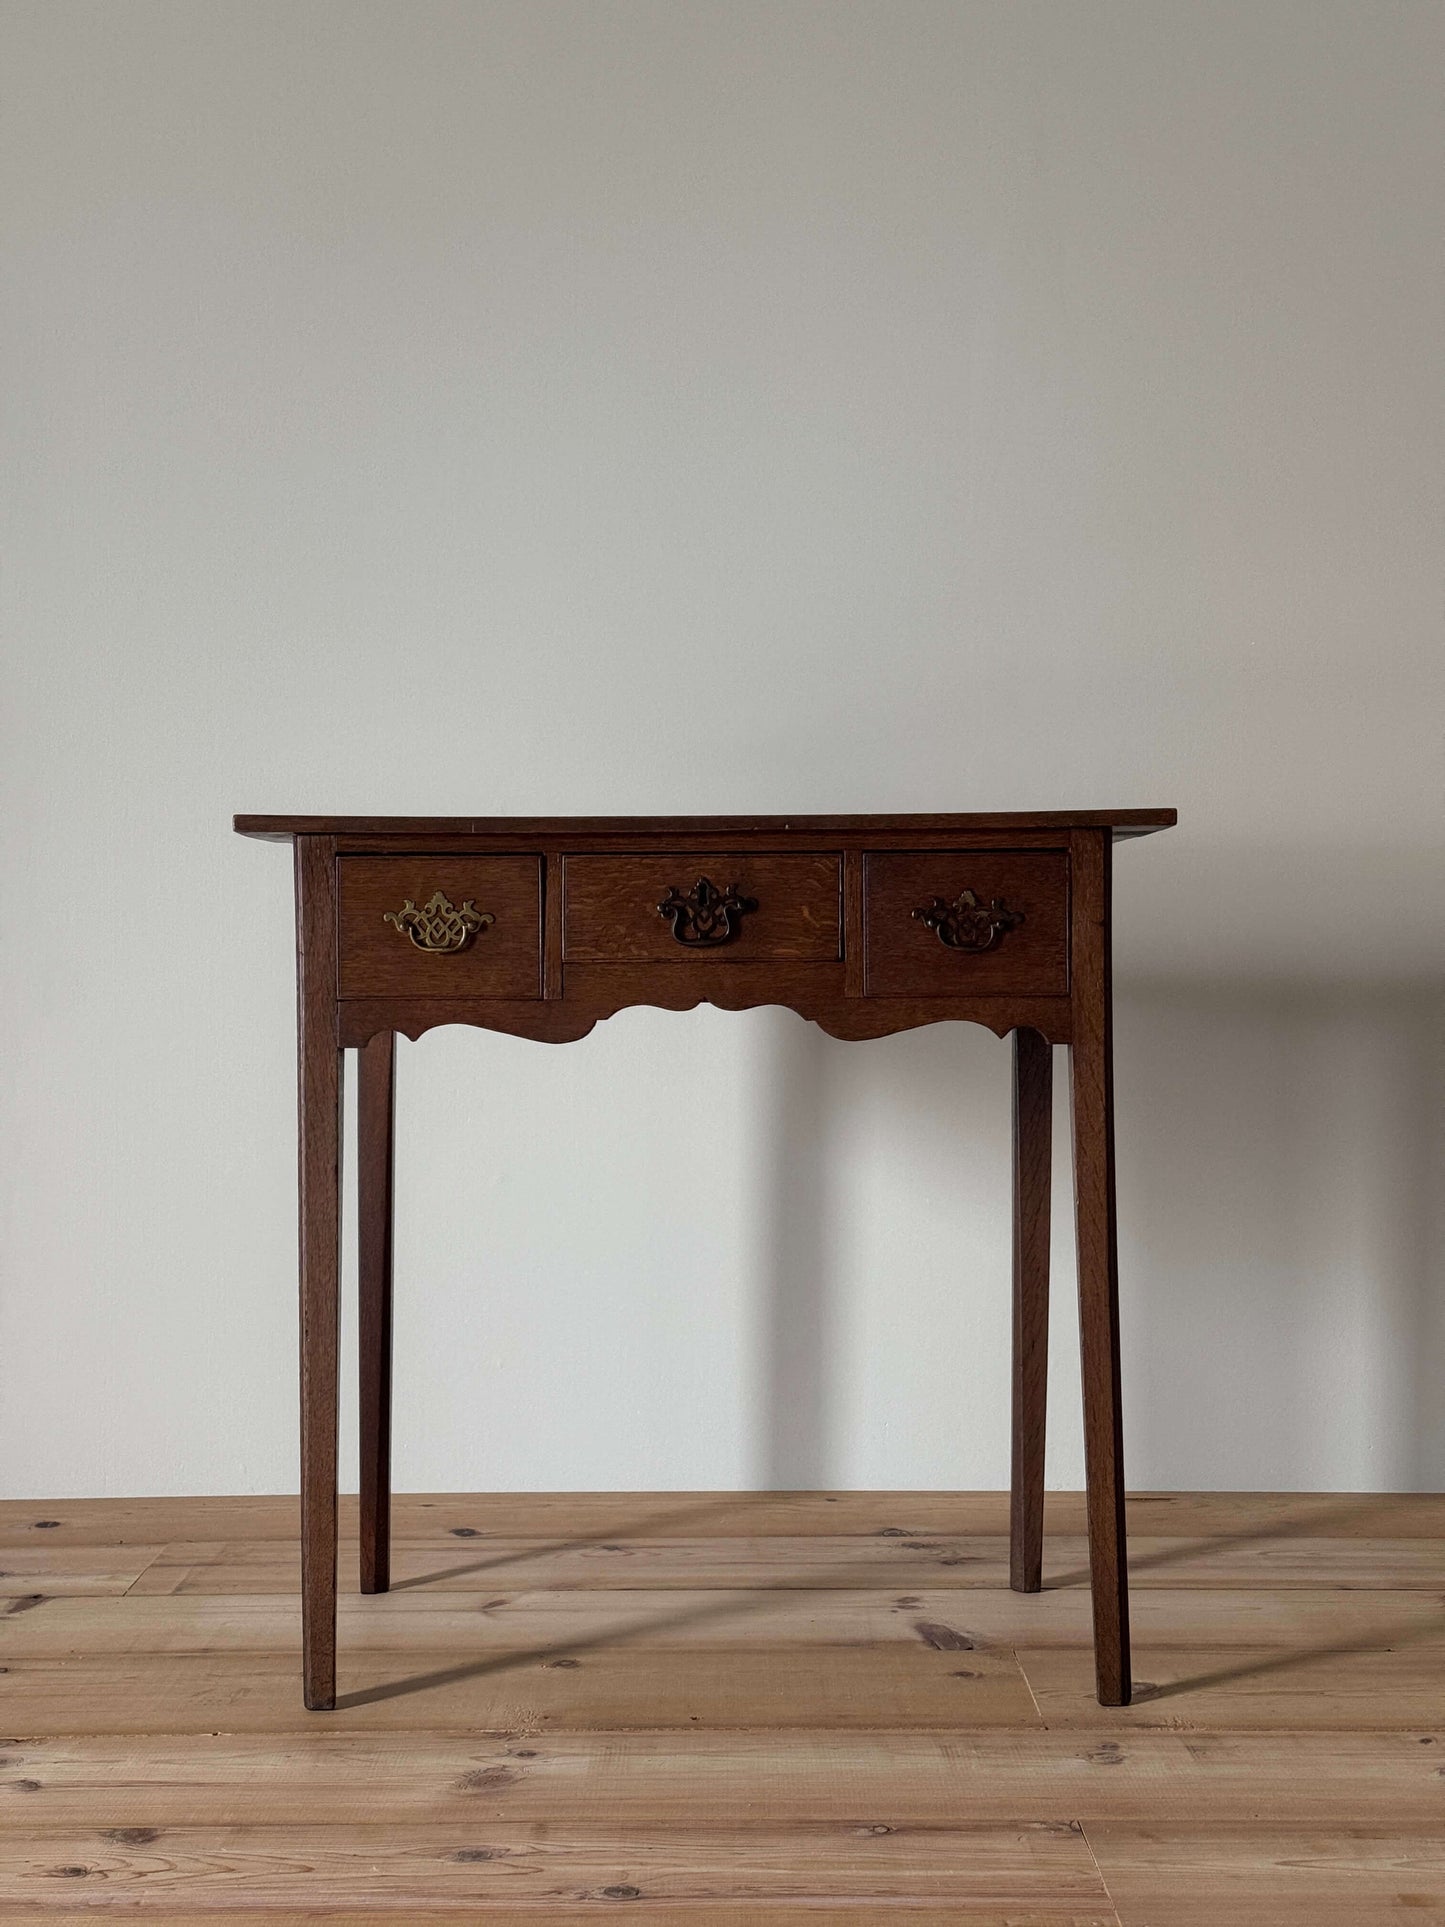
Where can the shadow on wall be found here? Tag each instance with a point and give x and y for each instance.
(1282, 1247)
(1284, 1244)
(800, 1336)
(882, 1278)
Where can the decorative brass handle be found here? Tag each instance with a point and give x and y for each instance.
(705, 915)
(439, 926)
(965, 924)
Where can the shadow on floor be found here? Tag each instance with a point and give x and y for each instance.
(680, 1516)
(1310, 1520)
(1333, 1512)
(1386, 1640)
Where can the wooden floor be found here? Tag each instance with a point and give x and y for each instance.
(724, 1710)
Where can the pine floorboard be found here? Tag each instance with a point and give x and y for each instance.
(734, 1709)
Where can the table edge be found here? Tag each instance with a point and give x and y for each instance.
(1123, 823)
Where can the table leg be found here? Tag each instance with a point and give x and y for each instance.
(376, 1122)
(1092, 1078)
(320, 1084)
(1033, 1082)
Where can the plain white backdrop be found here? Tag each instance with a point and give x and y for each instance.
(762, 405)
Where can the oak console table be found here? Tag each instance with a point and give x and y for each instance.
(864, 924)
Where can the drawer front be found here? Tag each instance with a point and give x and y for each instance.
(927, 939)
(441, 926)
(680, 908)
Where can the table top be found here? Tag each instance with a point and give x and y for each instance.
(279, 829)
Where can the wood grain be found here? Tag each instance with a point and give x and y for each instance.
(1344, 1684)
(1033, 1119)
(906, 959)
(471, 1869)
(1268, 1875)
(610, 907)
(449, 1619)
(747, 1913)
(960, 1562)
(494, 1689)
(376, 1131)
(326, 1776)
(595, 992)
(319, 1135)
(1269, 1519)
(769, 1750)
(570, 920)
(62, 1570)
(1091, 1065)
(721, 830)
(504, 960)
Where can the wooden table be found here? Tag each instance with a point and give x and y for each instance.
(865, 924)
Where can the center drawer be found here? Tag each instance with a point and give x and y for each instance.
(675, 907)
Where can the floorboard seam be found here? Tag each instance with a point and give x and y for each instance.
(1113, 1904)
(143, 1571)
(1024, 1676)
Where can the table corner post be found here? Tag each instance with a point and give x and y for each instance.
(319, 1070)
(1096, 1230)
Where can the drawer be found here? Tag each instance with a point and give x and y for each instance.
(440, 926)
(678, 908)
(926, 939)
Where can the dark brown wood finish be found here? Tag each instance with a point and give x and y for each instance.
(1033, 1094)
(863, 925)
(855, 943)
(319, 1134)
(906, 958)
(552, 926)
(376, 1113)
(610, 907)
(716, 830)
(502, 959)
(595, 992)
(1092, 1073)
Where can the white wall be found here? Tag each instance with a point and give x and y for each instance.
(639, 405)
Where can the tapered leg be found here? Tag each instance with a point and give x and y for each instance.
(375, 1108)
(320, 1070)
(1033, 1145)
(1091, 1064)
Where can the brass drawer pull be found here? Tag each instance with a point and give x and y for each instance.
(966, 924)
(705, 915)
(439, 925)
